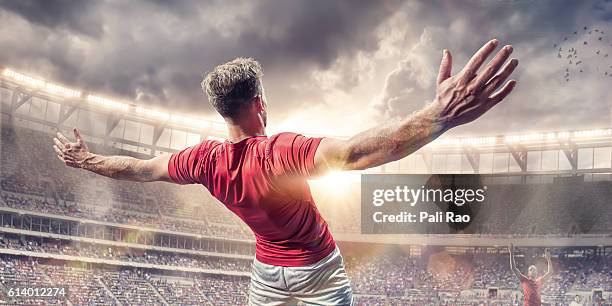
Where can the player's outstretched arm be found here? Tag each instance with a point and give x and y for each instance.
(460, 99)
(77, 155)
(513, 267)
(549, 270)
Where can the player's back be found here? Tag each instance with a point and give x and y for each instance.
(264, 181)
(531, 291)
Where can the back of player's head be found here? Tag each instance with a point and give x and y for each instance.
(532, 271)
(232, 86)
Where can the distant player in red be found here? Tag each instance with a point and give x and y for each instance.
(531, 284)
(263, 179)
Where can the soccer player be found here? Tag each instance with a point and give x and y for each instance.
(531, 284)
(576, 301)
(263, 179)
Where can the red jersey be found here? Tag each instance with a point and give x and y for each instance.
(531, 291)
(263, 181)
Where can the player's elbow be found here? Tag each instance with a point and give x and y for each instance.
(334, 154)
(155, 169)
(359, 157)
(351, 155)
(352, 158)
(362, 162)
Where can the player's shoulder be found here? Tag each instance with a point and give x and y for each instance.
(278, 140)
(284, 135)
(292, 136)
(282, 139)
(208, 146)
(210, 143)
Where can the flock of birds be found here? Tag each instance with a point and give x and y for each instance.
(594, 46)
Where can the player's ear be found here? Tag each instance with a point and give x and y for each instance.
(259, 104)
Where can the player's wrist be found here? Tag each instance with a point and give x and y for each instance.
(430, 117)
(88, 163)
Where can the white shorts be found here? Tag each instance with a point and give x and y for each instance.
(322, 283)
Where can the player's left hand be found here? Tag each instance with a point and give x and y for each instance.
(463, 97)
(546, 254)
(72, 154)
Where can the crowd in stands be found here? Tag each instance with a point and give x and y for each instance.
(18, 273)
(119, 215)
(50, 187)
(100, 286)
(180, 291)
(175, 259)
(82, 285)
(388, 277)
(131, 287)
(392, 275)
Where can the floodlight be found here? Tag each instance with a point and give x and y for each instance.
(107, 103)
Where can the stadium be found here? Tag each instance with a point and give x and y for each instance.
(123, 243)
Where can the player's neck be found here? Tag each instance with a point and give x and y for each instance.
(238, 132)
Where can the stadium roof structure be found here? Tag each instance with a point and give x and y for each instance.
(42, 104)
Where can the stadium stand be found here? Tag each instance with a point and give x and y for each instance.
(86, 195)
(122, 243)
(391, 278)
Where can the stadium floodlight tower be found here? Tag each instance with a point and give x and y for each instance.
(24, 96)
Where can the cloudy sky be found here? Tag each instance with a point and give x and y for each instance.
(331, 67)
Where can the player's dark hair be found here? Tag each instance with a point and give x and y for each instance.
(233, 85)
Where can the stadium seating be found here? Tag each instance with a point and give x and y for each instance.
(33, 180)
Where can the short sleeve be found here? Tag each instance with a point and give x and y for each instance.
(290, 153)
(187, 165)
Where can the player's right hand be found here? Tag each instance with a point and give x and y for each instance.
(72, 154)
(463, 97)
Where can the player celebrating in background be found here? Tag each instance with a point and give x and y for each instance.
(263, 180)
(531, 284)
(576, 301)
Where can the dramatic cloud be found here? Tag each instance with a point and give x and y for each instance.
(77, 16)
(363, 61)
(157, 52)
(543, 100)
